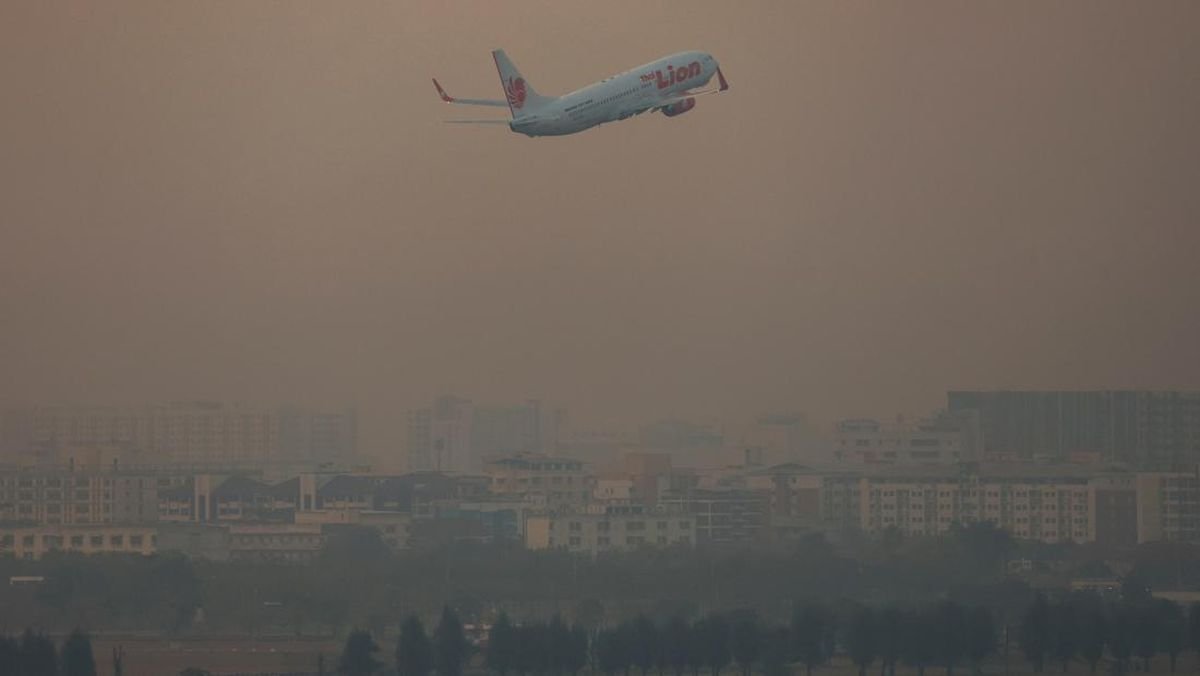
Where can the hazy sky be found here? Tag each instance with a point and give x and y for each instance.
(258, 201)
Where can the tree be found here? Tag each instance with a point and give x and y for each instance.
(1064, 631)
(1146, 633)
(77, 658)
(891, 633)
(676, 644)
(980, 636)
(984, 543)
(37, 655)
(610, 654)
(449, 645)
(809, 626)
(949, 621)
(1093, 634)
(118, 660)
(1194, 629)
(643, 643)
(354, 544)
(746, 642)
(776, 649)
(502, 646)
(10, 656)
(414, 654)
(559, 645)
(1121, 628)
(862, 638)
(716, 643)
(532, 653)
(589, 613)
(920, 647)
(358, 656)
(1034, 633)
(1172, 630)
(697, 645)
(578, 655)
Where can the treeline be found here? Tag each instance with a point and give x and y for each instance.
(34, 654)
(945, 635)
(1130, 632)
(357, 581)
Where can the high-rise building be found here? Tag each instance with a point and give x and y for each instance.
(187, 432)
(317, 436)
(1146, 429)
(458, 435)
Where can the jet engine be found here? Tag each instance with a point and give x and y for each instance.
(679, 107)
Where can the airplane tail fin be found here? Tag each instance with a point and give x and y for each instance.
(522, 99)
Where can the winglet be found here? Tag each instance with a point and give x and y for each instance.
(442, 92)
(720, 78)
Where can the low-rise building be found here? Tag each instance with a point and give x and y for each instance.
(63, 496)
(34, 542)
(610, 530)
(941, 439)
(1168, 507)
(275, 543)
(723, 517)
(552, 481)
(1047, 504)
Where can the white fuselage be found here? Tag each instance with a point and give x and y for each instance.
(630, 93)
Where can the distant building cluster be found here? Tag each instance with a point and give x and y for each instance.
(1140, 428)
(458, 435)
(188, 432)
(514, 473)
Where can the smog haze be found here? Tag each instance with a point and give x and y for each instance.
(260, 201)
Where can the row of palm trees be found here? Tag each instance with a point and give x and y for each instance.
(946, 634)
(34, 654)
(1083, 627)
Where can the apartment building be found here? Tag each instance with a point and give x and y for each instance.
(185, 432)
(275, 543)
(62, 496)
(723, 516)
(1047, 504)
(1148, 430)
(458, 435)
(613, 529)
(1168, 507)
(550, 481)
(802, 496)
(941, 439)
(34, 542)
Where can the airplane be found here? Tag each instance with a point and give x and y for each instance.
(667, 85)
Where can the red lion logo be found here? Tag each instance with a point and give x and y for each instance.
(515, 91)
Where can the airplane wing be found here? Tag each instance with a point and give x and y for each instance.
(468, 102)
(491, 121)
(663, 103)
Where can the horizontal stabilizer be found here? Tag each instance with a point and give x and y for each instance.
(468, 102)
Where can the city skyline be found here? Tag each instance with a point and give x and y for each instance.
(894, 202)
